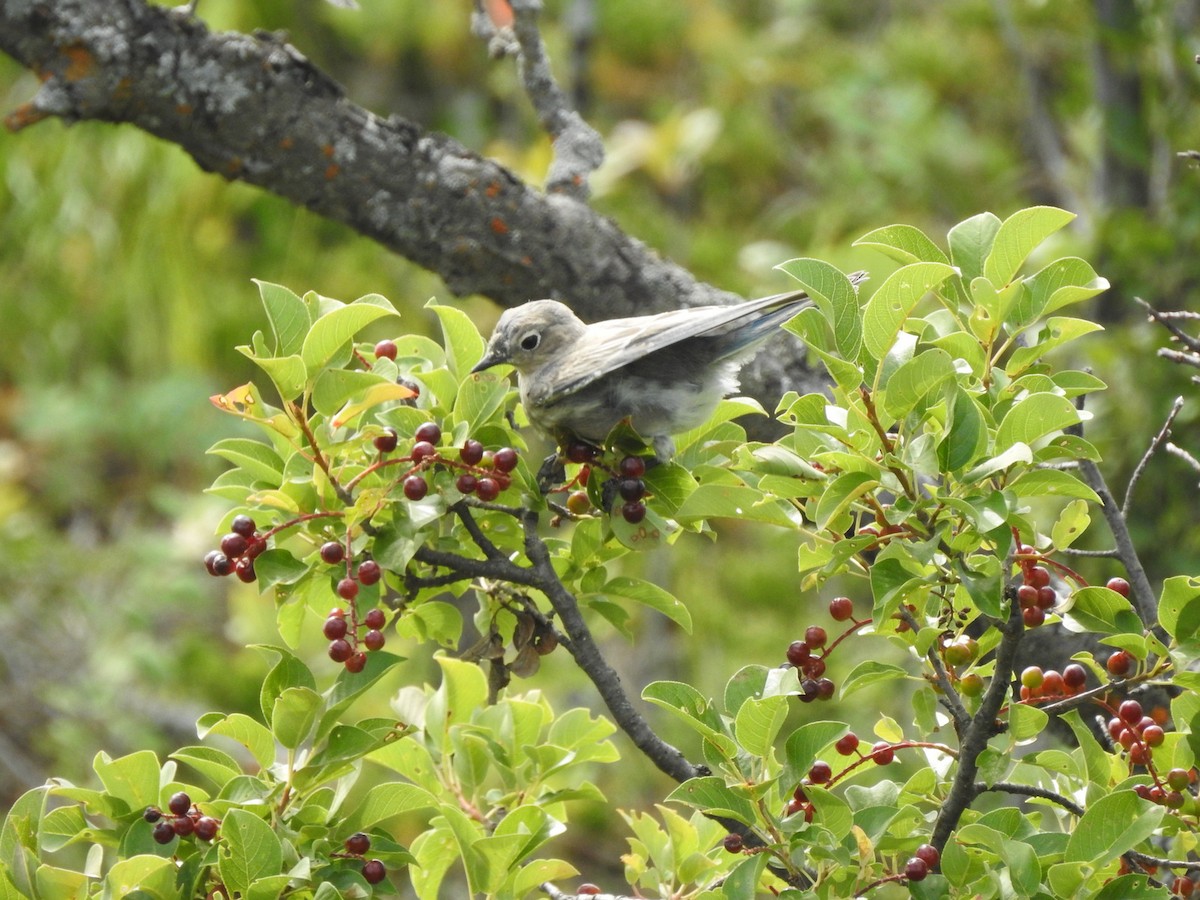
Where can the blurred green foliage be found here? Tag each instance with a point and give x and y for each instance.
(739, 135)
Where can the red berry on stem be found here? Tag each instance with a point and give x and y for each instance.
(581, 452)
(1033, 617)
(333, 552)
(335, 627)
(916, 869)
(387, 441)
(466, 483)
(356, 663)
(631, 488)
(929, 853)
(423, 450)
(1120, 585)
(369, 572)
(430, 433)
(825, 689)
(358, 843)
(847, 744)
(347, 588)
(798, 653)
(471, 452)
(732, 843)
(415, 487)
(374, 871)
(1038, 576)
(244, 568)
(219, 564)
(1074, 676)
(1153, 736)
(183, 825)
(841, 609)
(1177, 779)
(243, 525)
(1027, 596)
(163, 832)
(1053, 683)
(815, 636)
(487, 489)
(1047, 597)
(206, 828)
(385, 350)
(633, 511)
(820, 772)
(505, 459)
(337, 611)
(632, 467)
(1120, 664)
(340, 650)
(815, 667)
(153, 813)
(234, 544)
(179, 803)
(374, 639)
(1130, 712)
(883, 753)
(375, 618)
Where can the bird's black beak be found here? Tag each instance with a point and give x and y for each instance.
(490, 358)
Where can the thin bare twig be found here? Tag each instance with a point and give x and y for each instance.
(1163, 434)
(1179, 452)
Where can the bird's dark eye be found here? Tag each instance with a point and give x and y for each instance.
(530, 341)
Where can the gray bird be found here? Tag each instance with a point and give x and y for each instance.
(666, 373)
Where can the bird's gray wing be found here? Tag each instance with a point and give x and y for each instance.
(609, 345)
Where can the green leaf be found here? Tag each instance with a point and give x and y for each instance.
(758, 722)
(332, 388)
(903, 243)
(294, 715)
(216, 765)
(711, 795)
(464, 345)
(386, 801)
(1113, 824)
(915, 380)
(895, 300)
(832, 812)
(834, 295)
(1179, 607)
(288, 317)
(462, 691)
(1063, 282)
(840, 494)
(248, 850)
(1102, 610)
(142, 876)
(692, 708)
(1070, 525)
(275, 567)
(1051, 483)
(970, 243)
(1058, 331)
(747, 682)
(802, 746)
(332, 331)
(1033, 417)
(731, 501)
(870, 672)
(241, 728)
(133, 778)
(1019, 234)
(1095, 758)
(967, 437)
(1026, 721)
(289, 671)
(349, 686)
(287, 373)
(650, 595)
(257, 458)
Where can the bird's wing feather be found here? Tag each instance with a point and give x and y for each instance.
(610, 345)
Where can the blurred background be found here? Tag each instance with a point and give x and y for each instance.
(740, 133)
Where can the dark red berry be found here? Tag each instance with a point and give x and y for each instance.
(815, 636)
(1047, 597)
(633, 511)
(1139, 755)
(356, 663)
(206, 828)
(471, 452)
(798, 653)
(929, 853)
(374, 639)
(808, 690)
(369, 572)
(1177, 780)
(505, 459)
(841, 609)
(847, 744)
(581, 452)
(218, 563)
(347, 588)
(487, 489)
(815, 667)
(243, 525)
(333, 552)
(358, 843)
(1033, 617)
(632, 467)
(1153, 735)
(423, 450)
(1173, 800)
(335, 628)
(1053, 684)
(153, 813)
(163, 833)
(244, 568)
(1074, 676)
(340, 650)
(825, 689)
(385, 350)
(1038, 576)
(1130, 712)
(415, 487)
(387, 441)
(179, 803)
(916, 869)
(820, 772)
(373, 871)
(1183, 886)
(234, 544)
(631, 488)
(183, 825)
(1027, 596)
(732, 843)
(466, 483)
(430, 433)
(375, 618)
(257, 545)
(1120, 664)
(883, 753)
(1120, 585)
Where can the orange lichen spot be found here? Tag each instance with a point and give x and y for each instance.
(183, 109)
(234, 166)
(80, 62)
(287, 143)
(23, 116)
(328, 151)
(124, 89)
(493, 189)
(526, 261)
(500, 12)
(499, 226)
(331, 171)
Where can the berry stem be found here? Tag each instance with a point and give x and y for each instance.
(318, 457)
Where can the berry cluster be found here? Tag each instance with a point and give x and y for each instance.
(627, 478)
(922, 861)
(238, 550)
(1049, 684)
(810, 668)
(1035, 593)
(347, 635)
(1137, 733)
(484, 473)
(373, 870)
(184, 820)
